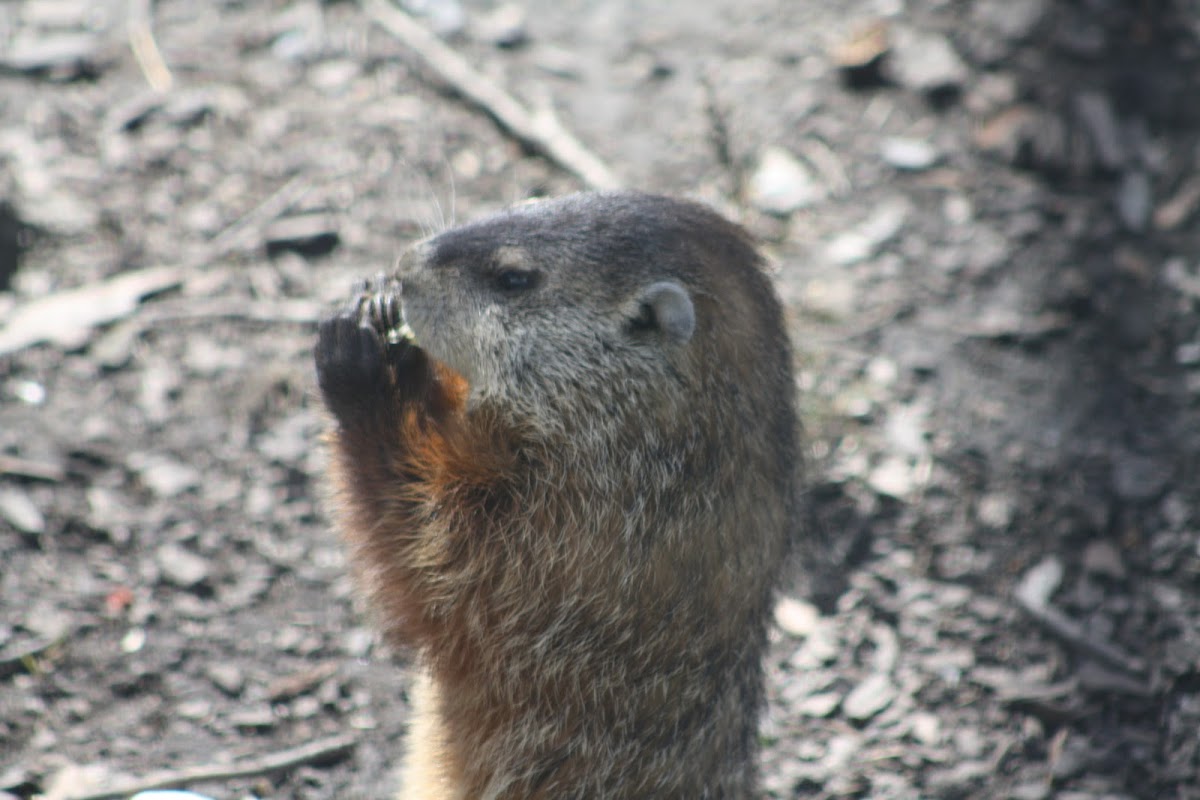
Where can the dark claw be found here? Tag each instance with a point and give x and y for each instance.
(377, 304)
(383, 312)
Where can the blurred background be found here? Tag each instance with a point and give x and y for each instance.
(984, 220)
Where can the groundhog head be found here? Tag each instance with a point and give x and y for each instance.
(584, 297)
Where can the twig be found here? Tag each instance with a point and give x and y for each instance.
(145, 49)
(718, 133)
(541, 132)
(275, 204)
(318, 750)
(1073, 633)
(1033, 596)
(24, 468)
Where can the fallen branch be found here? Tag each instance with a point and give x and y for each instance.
(1033, 596)
(67, 318)
(1070, 631)
(319, 750)
(541, 132)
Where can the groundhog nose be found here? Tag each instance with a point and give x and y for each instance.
(413, 260)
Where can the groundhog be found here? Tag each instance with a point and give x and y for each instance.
(564, 457)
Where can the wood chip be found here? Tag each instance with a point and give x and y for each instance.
(20, 511)
(66, 319)
(300, 683)
(869, 698)
(865, 45)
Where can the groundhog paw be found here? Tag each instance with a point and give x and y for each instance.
(366, 356)
(351, 370)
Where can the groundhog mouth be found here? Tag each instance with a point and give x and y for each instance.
(402, 333)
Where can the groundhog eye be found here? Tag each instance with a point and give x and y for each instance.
(516, 280)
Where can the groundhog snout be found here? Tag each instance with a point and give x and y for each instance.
(412, 261)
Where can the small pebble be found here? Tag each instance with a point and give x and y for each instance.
(29, 392)
(20, 511)
(893, 477)
(358, 642)
(334, 75)
(446, 18)
(194, 709)
(926, 62)
(911, 155)
(957, 209)
(869, 698)
(905, 430)
(305, 707)
(819, 705)
(182, 567)
(1040, 582)
(995, 510)
(227, 677)
(849, 248)
(1102, 558)
(163, 475)
(882, 371)
(134, 640)
(782, 184)
(925, 727)
(796, 617)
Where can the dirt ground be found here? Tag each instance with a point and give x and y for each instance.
(985, 223)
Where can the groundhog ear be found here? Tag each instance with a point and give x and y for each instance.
(667, 306)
